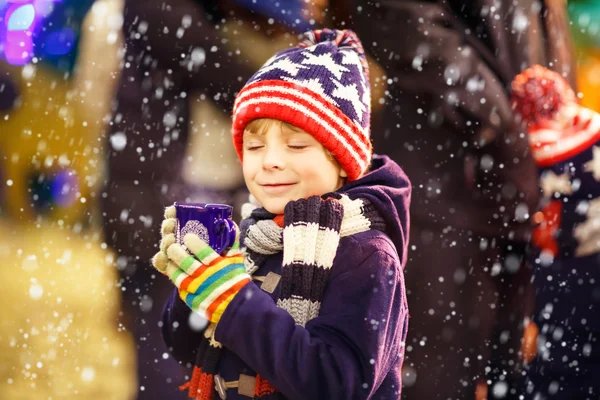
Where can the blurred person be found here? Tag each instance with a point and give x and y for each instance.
(565, 142)
(149, 124)
(448, 121)
(323, 324)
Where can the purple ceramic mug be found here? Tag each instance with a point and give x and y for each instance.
(212, 222)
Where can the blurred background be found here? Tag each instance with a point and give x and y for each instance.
(110, 110)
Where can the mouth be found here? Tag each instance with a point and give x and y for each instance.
(276, 188)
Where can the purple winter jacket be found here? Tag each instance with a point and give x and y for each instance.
(354, 349)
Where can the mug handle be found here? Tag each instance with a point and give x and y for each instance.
(229, 226)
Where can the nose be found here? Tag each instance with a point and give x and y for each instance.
(274, 158)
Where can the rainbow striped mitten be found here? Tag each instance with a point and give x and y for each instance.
(207, 282)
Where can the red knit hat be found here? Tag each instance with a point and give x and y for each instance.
(320, 86)
(558, 126)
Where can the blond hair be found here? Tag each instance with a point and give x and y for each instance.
(260, 126)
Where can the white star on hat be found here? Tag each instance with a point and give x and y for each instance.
(352, 58)
(588, 232)
(313, 84)
(593, 165)
(366, 98)
(283, 64)
(552, 183)
(326, 61)
(351, 94)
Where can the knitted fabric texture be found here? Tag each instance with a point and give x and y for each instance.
(558, 127)
(320, 86)
(309, 240)
(539, 94)
(207, 281)
(565, 142)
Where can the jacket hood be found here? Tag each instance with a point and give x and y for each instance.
(387, 187)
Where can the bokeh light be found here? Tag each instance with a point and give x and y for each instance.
(20, 20)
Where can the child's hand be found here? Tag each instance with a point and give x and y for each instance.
(207, 282)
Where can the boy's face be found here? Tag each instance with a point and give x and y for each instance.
(286, 164)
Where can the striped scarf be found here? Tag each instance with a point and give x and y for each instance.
(308, 233)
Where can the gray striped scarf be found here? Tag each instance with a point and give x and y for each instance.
(309, 239)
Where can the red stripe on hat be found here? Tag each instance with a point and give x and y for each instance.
(317, 127)
(568, 143)
(265, 104)
(547, 157)
(317, 104)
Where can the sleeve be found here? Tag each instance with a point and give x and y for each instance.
(344, 353)
(178, 333)
(449, 77)
(434, 54)
(151, 115)
(171, 31)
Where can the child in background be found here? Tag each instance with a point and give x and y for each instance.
(312, 305)
(565, 143)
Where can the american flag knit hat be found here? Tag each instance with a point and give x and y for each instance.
(320, 86)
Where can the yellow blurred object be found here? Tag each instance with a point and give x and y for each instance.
(59, 120)
(42, 134)
(59, 337)
(100, 52)
(588, 79)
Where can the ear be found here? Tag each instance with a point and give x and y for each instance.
(343, 173)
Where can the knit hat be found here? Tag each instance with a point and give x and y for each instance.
(320, 86)
(558, 127)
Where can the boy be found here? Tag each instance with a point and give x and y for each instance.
(314, 306)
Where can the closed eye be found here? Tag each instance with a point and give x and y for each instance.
(251, 148)
(297, 147)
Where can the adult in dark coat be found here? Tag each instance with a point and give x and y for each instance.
(177, 52)
(448, 122)
(168, 57)
(161, 67)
